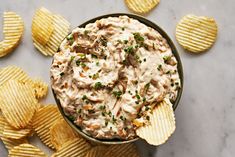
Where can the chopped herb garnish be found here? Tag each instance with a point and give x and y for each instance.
(84, 97)
(95, 76)
(72, 58)
(78, 62)
(79, 111)
(102, 107)
(125, 128)
(124, 62)
(91, 111)
(137, 96)
(159, 67)
(130, 92)
(93, 56)
(90, 76)
(106, 123)
(125, 41)
(62, 74)
(117, 94)
(137, 102)
(98, 85)
(72, 118)
(103, 113)
(70, 39)
(172, 84)
(110, 113)
(147, 86)
(168, 72)
(105, 57)
(144, 99)
(129, 49)
(138, 37)
(146, 108)
(122, 118)
(103, 41)
(86, 32)
(177, 83)
(137, 57)
(114, 120)
(97, 63)
(119, 41)
(144, 59)
(166, 58)
(83, 64)
(123, 28)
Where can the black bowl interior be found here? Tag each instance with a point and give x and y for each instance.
(174, 51)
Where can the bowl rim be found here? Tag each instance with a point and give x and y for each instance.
(174, 51)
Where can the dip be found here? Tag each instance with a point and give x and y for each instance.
(109, 76)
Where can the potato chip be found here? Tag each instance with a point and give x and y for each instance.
(26, 150)
(13, 73)
(18, 103)
(12, 133)
(10, 143)
(60, 133)
(162, 124)
(40, 88)
(43, 120)
(196, 33)
(61, 29)
(42, 26)
(13, 28)
(141, 6)
(129, 150)
(2, 123)
(97, 151)
(78, 147)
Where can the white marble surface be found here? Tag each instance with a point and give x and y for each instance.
(206, 113)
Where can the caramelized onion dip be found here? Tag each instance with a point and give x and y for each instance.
(109, 76)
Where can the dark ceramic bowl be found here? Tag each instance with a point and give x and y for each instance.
(174, 51)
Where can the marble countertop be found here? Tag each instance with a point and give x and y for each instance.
(206, 113)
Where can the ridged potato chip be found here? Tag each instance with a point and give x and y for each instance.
(60, 133)
(42, 26)
(10, 143)
(43, 120)
(13, 28)
(18, 103)
(78, 147)
(2, 123)
(40, 88)
(141, 6)
(97, 151)
(162, 124)
(26, 150)
(129, 150)
(13, 73)
(196, 33)
(60, 30)
(12, 133)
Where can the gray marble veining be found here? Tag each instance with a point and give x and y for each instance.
(205, 115)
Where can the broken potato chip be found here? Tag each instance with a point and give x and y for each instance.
(26, 150)
(18, 103)
(196, 33)
(60, 133)
(13, 28)
(40, 88)
(43, 120)
(141, 6)
(162, 124)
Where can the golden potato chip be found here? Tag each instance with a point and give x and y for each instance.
(42, 26)
(13, 73)
(10, 143)
(162, 124)
(2, 123)
(196, 33)
(12, 133)
(97, 151)
(77, 147)
(40, 88)
(141, 6)
(26, 150)
(60, 133)
(43, 120)
(129, 150)
(18, 103)
(13, 28)
(61, 29)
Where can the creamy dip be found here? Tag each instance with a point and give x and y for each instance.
(109, 75)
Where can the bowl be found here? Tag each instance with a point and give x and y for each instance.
(180, 71)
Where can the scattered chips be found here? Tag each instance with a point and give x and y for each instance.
(40, 88)
(42, 26)
(141, 6)
(60, 31)
(43, 120)
(13, 73)
(60, 133)
(26, 150)
(129, 150)
(18, 103)
(13, 28)
(78, 147)
(97, 151)
(196, 33)
(162, 124)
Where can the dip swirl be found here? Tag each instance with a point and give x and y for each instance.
(109, 76)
